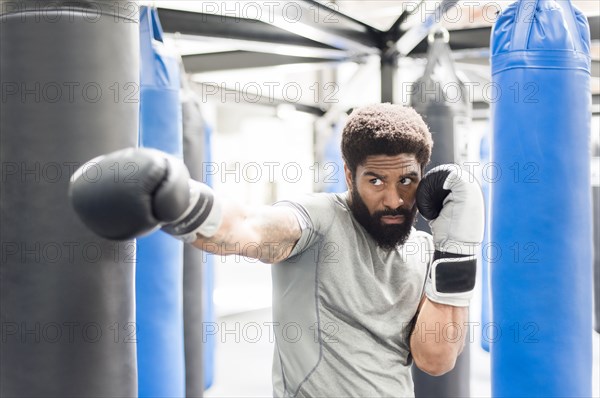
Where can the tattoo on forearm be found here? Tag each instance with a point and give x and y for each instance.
(268, 237)
(279, 235)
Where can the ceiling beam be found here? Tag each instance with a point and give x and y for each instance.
(413, 36)
(211, 25)
(192, 45)
(302, 22)
(395, 32)
(231, 60)
(320, 33)
(326, 25)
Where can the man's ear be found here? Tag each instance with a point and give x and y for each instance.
(348, 175)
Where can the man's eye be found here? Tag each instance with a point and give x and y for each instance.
(376, 181)
(406, 181)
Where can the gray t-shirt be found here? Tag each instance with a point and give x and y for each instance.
(343, 307)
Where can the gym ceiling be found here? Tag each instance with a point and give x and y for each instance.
(231, 35)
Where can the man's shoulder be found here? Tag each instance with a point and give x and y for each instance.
(316, 200)
(318, 210)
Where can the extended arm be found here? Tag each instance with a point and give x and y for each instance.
(135, 191)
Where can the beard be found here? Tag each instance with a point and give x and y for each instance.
(386, 236)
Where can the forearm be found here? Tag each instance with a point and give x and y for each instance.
(265, 233)
(438, 337)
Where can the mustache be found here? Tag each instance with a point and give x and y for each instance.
(401, 211)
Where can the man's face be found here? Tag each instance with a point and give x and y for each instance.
(383, 196)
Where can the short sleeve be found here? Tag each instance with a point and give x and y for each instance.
(315, 214)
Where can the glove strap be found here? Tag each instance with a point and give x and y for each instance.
(204, 216)
(451, 279)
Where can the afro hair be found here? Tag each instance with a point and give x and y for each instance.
(385, 129)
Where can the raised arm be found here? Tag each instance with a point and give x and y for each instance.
(452, 200)
(131, 192)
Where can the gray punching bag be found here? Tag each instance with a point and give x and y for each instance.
(193, 155)
(69, 73)
(441, 99)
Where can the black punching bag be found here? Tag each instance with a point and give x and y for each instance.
(441, 99)
(69, 74)
(193, 154)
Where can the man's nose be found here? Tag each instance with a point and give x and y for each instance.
(392, 199)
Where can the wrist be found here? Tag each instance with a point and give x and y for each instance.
(451, 278)
(203, 216)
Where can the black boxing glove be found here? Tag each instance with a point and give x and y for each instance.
(453, 202)
(132, 192)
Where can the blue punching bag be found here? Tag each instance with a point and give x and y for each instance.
(333, 169)
(208, 282)
(159, 290)
(541, 204)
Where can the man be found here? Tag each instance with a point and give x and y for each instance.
(352, 278)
